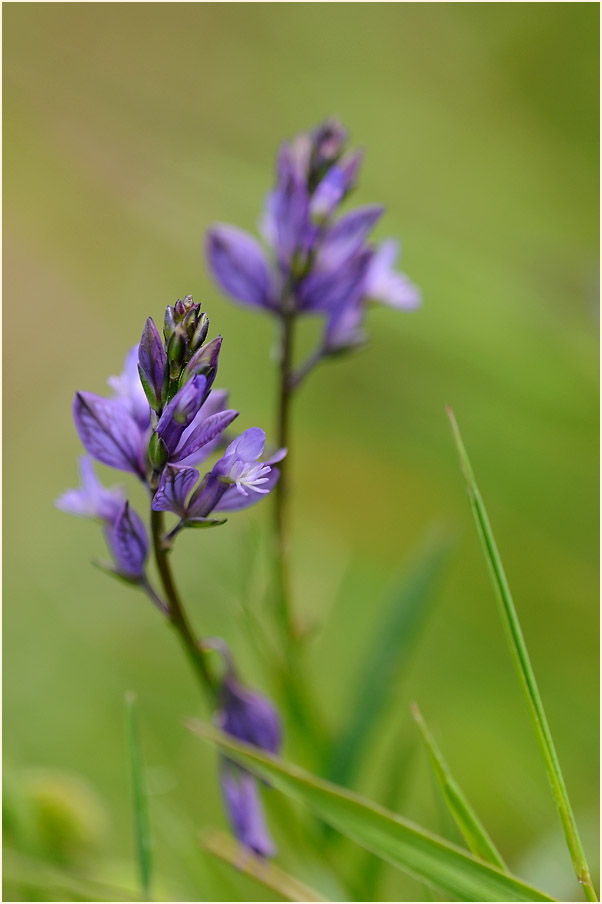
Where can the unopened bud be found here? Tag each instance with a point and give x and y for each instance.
(176, 351)
(169, 323)
(200, 333)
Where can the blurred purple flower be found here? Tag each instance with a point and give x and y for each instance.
(251, 718)
(321, 265)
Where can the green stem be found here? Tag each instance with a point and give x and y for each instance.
(177, 615)
(281, 511)
(525, 671)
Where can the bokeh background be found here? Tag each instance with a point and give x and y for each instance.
(128, 129)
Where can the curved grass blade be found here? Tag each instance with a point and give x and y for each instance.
(388, 655)
(412, 849)
(141, 822)
(518, 649)
(468, 822)
(263, 871)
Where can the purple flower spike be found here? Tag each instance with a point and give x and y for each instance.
(152, 365)
(129, 543)
(239, 265)
(244, 808)
(385, 284)
(109, 433)
(92, 499)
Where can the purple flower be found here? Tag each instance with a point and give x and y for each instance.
(92, 499)
(251, 718)
(240, 266)
(125, 532)
(384, 284)
(129, 544)
(128, 390)
(109, 433)
(152, 366)
(321, 265)
(238, 480)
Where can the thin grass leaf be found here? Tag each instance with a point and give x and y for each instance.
(412, 849)
(468, 822)
(263, 871)
(139, 799)
(388, 656)
(520, 656)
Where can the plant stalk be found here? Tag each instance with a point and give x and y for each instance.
(177, 614)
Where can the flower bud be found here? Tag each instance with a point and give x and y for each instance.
(176, 350)
(169, 323)
(200, 332)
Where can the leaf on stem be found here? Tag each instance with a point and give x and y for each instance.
(410, 848)
(468, 822)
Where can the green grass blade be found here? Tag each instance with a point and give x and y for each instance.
(518, 649)
(48, 879)
(388, 656)
(141, 821)
(468, 822)
(412, 849)
(263, 871)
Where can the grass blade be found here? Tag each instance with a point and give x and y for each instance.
(518, 649)
(263, 871)
(468, 822)
(388, 656)
(415, 851)
(141, 822)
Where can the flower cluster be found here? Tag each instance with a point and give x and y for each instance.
(318, 264)
(163, 420)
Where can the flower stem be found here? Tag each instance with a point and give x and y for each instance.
(176, 613)
(281, 511)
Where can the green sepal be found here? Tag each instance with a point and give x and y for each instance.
(158, 452)
(204, 522)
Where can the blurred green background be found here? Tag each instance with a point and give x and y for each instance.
(128, 129)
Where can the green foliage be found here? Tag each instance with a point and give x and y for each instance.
(139, 799)
(422, 855)
(526, 675)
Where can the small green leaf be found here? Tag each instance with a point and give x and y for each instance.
(410, 848)
(204, 522)
(263, 871)
(468, 822)
(141, 822)
(526, 675)
(388, 656)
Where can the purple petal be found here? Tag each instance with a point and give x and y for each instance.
(233, 500)
(384, 283)
(344, 328)
(128, 389)
(245, 812)
(205, 360)
(152, 362)
(239, 266)
(181, 411)
(216, 402)
(109, 433)
(128, 541)
(347, 237)
(206, 496)
(173, 490)
(249, 716)
(206, 431)
(248, 446)
(286, 217)
(328, 291)
(92, 499)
